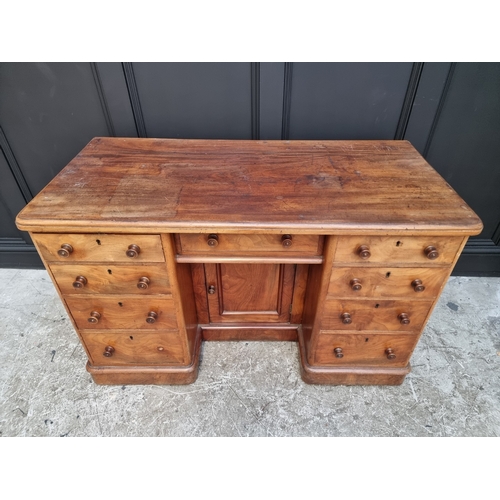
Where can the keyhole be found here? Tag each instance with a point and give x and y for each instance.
(98, 242)
(398, 243)
(109, 271)
(120, 304)
(132, 338)
(366, 340)
(377, 306)
(387, 275)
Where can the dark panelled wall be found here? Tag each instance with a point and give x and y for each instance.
(449, 112)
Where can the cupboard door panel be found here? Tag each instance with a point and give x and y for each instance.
(249, 292)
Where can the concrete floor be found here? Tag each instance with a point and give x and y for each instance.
(248, 388)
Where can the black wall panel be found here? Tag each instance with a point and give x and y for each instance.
(347, 100)
(195, 100)
(48, 112)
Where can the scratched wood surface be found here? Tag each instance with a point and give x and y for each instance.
(315, 187)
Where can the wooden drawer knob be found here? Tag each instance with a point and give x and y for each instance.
(390, 353)
(286, 240)
(356, 284)
(108, 351)
(94, 317)
(133, 251)
(404, 319)
(213, 240)
(417, 285)
(80, 282)
(143, 283)
(431, 253)
(364, 252)
(65, 250)
(346, 318)
(338, 352)
(152, 317)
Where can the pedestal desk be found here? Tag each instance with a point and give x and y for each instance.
(156, 245)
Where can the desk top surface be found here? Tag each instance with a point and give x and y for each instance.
(323, 187)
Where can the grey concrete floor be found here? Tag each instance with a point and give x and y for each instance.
(248, 388)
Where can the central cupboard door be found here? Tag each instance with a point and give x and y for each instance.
(250, 293)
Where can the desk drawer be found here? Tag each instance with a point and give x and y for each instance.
(425, 250)
(124, 348)
(337, 349)
(386, 282)
(388, 315)
(100, 247)
(127, 312)
(244, 244)
(86, 278)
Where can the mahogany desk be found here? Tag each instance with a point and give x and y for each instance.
(155, 245)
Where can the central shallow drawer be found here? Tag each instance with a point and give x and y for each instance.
(244, 244)
(123, 348)
(122, 312)
(100, 247)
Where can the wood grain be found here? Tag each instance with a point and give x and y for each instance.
(97, 247)
(122, 312)
(106, 279)
(393, 250)
(386, 282)
(192, 186)
(365, 349)
(375, 314)
(250, 292)
(245, 244)
(152, 348)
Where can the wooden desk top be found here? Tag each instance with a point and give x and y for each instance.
(323, 187)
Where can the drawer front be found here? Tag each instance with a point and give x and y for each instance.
(243, 244)
(127, 312)
(100, 247)
(119, 348)
(386, 282)
(388, 315)
(337, 349)
(397, 249)
(84, 279)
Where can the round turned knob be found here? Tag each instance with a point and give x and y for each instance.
(346, 318)
(65, 250)
(364, 251)
(431, 252)
(338, 352)
(404, 319)
(211, 289)
(213, 240)
(143, 283)
(108, 351)
(133, 251)
(160, 348)
(417, 285)
(94, 317)
(356, 284)
(286, 240)
(152, 317)
(80, 282)
(390, 353)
